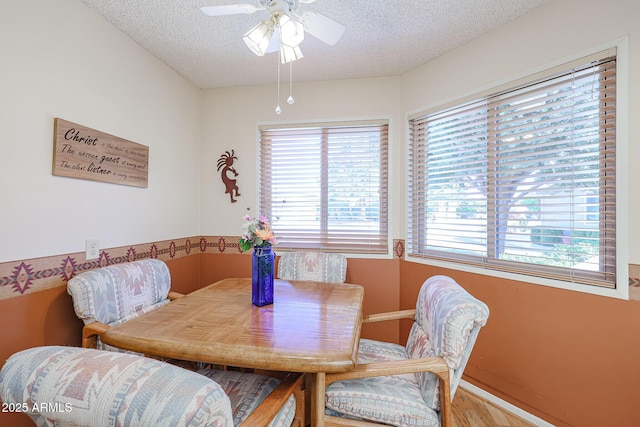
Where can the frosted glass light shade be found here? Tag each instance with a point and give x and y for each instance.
(291, 30)
(288, 53)
(257, 39)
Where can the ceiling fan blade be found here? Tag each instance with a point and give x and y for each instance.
(322, 27)
(231, 9)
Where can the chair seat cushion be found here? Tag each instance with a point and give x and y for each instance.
(386, 400)
(246, 391)
(380, 351)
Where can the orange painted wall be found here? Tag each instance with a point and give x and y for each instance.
(40, 318)
(566, 357)
(47, 318)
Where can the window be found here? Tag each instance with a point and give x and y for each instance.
(522, 180)
(325, 186)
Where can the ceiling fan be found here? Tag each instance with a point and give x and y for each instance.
(316, 24)
(283, 31)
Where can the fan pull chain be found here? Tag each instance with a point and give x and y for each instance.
(278, 109)
(290, 100)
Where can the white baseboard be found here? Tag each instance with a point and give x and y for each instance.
(504, 404)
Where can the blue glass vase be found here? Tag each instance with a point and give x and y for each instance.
(262, 266)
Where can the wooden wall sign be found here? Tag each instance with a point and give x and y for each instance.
(81, 152)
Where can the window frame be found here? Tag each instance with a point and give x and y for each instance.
(323, 241)
(621, 289)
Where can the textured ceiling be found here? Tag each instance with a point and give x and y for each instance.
(382, 37)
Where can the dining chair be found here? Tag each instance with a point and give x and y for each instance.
(411, 385)
(57, 385)
(318, 266)
(107, 296)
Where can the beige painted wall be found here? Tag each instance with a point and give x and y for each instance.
(558, 32)
(546, 37)
(59, 59)
(231, 118)
(88, 72)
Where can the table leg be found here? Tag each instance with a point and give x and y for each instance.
(317, 399)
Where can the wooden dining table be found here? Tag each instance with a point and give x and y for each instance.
(311, 327)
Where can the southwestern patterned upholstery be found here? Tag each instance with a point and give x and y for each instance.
(89, 387)
(117, 293)
(246, 391)
(318, 266)
(447, 322)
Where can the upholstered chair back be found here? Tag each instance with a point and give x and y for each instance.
(117, 293)
(71, 386)
(87, 387)
(317, 266)
(448, 320)
(401, 385)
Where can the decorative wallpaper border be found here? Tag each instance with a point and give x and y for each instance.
(31, 275)
(634, 282)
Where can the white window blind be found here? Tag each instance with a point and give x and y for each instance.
(325, 186)
(523, 180)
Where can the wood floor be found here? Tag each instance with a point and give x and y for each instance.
(470, 410)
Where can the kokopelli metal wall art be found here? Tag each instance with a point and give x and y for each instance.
(225, 162)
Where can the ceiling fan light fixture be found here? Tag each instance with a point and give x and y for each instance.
(258, 38)
(282, 32)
